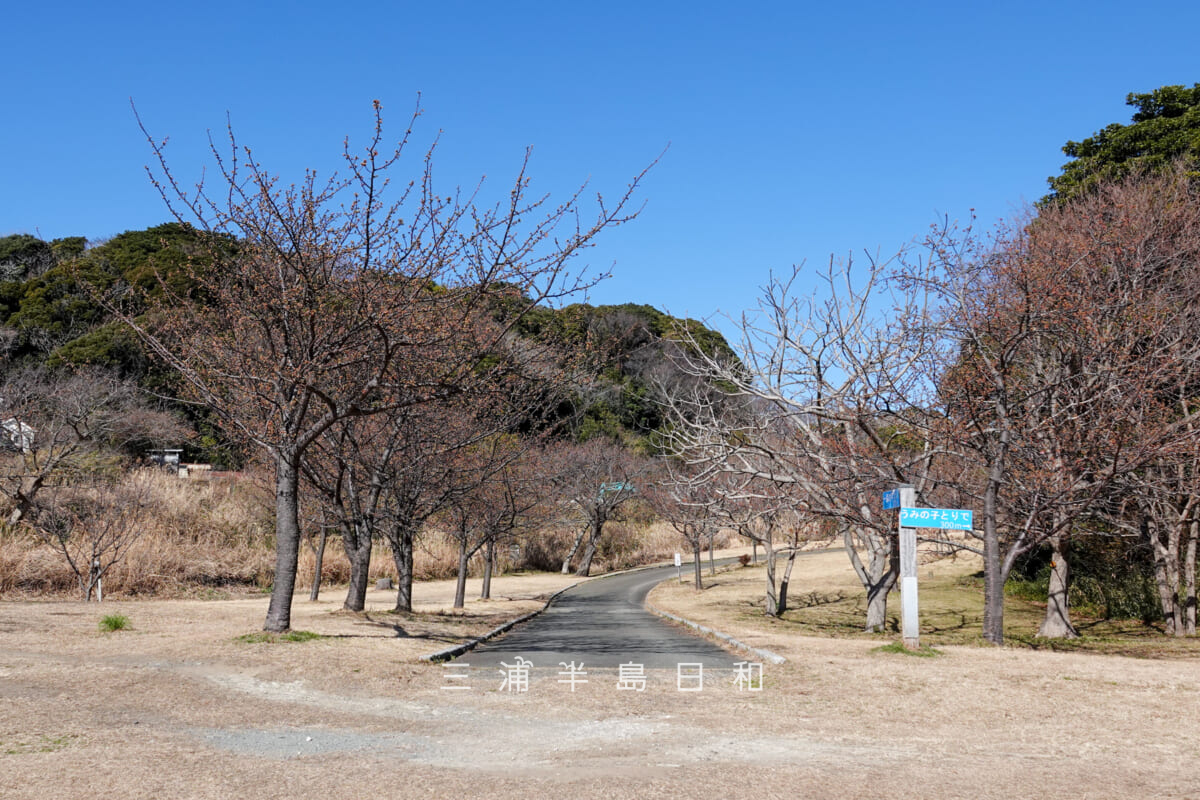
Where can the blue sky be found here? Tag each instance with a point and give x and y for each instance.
(796, 130)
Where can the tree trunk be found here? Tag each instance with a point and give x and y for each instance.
(993, 577)
(696, 563)
(287, 542)
(566, 567)
(402, 557)
(772, 598)
(877, 597)
(878, 577)
(358, 551)
(787, 577)
(885, 567)
(460, 587)
(27, 490)
(489, 564)
(585, 566)
(712, 563)
(1175, 571)
(1168, 589)
(319, 556)
(753, 552)
(92, 582)
(1189, 578)
(1057, 624)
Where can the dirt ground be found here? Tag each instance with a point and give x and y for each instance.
(175, 706)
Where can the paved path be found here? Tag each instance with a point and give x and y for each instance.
(603, 623)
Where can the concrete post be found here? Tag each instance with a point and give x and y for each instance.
(910, 628)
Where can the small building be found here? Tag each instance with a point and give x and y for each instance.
(167, 458)
(17, 435)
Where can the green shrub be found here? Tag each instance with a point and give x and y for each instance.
(114, 622)
(1110, 579)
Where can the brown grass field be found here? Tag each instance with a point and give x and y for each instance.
(188, 701)
(212, 539)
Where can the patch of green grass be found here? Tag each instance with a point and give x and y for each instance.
(263, 637)
(114, 622)
(42, 744)
(924, 651)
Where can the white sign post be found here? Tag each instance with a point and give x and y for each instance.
(678, 564)
(909, 519)
(910, 628)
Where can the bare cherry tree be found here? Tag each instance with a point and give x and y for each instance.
(59, 423)
(499, 498)
(597, 478)
(765, 513)
(92, 525)
(820, 403)
(382, 476)
(689, 503)
(325, 301)
(1071, 352)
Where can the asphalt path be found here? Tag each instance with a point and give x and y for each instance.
(603, 623)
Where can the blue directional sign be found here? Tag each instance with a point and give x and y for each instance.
(955, 519)
(891, 498)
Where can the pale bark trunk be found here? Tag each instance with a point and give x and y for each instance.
(1174, 573)
(287, 542)
(885, 567)
(1166, 576)
(878, 576)
(712, 562)
(566, 567)
(25, 493)
(877, 597)
(489, 564)
(1189, 578)
(1057, 623)
(696, 563)
(773, 609)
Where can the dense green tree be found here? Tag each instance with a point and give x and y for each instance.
(68, 247)
(22, 255)
(1165, 127)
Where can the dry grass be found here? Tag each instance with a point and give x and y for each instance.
(196, 536)
(215, 538)
(176, 706)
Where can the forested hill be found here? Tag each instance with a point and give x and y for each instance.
(637, 346)
(47, 317)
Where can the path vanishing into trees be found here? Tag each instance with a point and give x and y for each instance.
(603, 623)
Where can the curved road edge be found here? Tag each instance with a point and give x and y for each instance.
(456, 650)
(766, 655)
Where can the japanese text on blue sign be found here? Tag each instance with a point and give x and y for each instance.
(955, 519)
